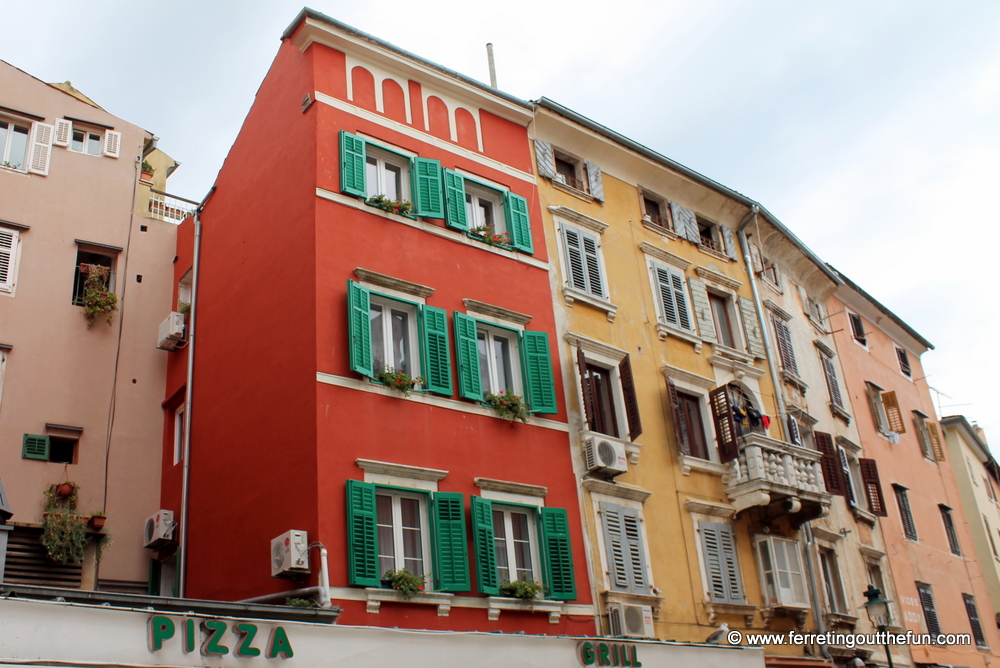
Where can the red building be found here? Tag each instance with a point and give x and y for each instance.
(377, 212)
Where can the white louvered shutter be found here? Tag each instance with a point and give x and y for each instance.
(112, 143)
(575, 266)
(64, 132)
(545, 158)
(8, 249)
(41, 149)
(595, 281)
(595, 181)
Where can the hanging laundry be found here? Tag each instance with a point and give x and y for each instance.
(766, 421)
(893, 437)
(739, 415)
(754, 415)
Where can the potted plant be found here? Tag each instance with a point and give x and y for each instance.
(526, 591)
(508, 405)
(484, 233)
(400, 206)
(97, 519)
(64, 533)
(404, 581)
(98, 300)
(147, 171)
(398, 380)
(300, 603)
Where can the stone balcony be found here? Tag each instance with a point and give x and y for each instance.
(785, 478)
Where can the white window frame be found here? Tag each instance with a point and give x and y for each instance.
(664, 205)
(924, 438)
(579, 167)
(833, 582)
(382, 157)
(783, 597)
(718, 244)
(736, 323)
(87, 134)
(881, 417)
(475, 190)
(412, 310)
(661, 315)
(899, 362)
(851, 315)
(399, 560)
(534, 560)
(6, 146)
(489, 376)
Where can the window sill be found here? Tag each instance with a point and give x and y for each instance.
(670, 235)
(714, 253)
(665, 331)
(571, 295)
(732, 353)
(716, 609)
(771, 286)
(11, 170)
(500, 603)
(579, 194)
(796, 612)
(376, 597)
(840, 413)
(840, 620)
(862, 515)
(690, 463)
(793, 380)
(817, 325)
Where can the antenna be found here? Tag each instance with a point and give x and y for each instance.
(493, 67)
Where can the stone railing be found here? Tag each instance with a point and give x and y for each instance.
(768, 470)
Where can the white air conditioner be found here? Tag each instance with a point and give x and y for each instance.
(159, 529)
(171, 331)
(631, 621)
(290, 554)
(605, 455)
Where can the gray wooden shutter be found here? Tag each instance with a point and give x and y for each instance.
(685, 223)
(875, 403)
(784, 338)
(725, 427)
(631, 403)
(545, 158)
(595, 181)
(751, 327)
(575, 266)
(729, 241)
(702, 310)
(680, 424)
(623, 544)
(725, 585)
(831, 380)
(595, 281)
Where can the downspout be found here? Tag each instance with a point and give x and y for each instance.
(189, 383)
(322, 590)
(759, 307)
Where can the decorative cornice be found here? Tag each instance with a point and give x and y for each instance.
(596, 347)
(801, 414)
(400, 470)
(710, 508)
(848, 445)
(826, 534)
(777, 310)
(825, 349)
(736, 367)
(511, 487)
(578, 218)
(473, 306)
(687, 377)
(717, 277)
(663, 256)
(620, 489)
(871, 552)
(392, 283)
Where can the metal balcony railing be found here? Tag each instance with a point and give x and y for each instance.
(171, 209)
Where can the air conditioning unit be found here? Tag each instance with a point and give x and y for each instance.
(605, 455)
(290, 554)
(171, 331)
(159, 529)
(631, 621)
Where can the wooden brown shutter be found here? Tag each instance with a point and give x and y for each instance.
(831, 380)
(935, 436)
(892, 412)
(680, 424)
(725, 428)
(873, 487)
(784, 337)
(833, 474)
(631, 403)
(589, 408)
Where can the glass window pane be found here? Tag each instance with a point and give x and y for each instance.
(378, 337)
(486, 212)
(18, 147)
(94, 144)
(393, 182)
(400, 341)
(4, 133)
(78, 141)
(501, 358)
(410, 510)
(484, 365)
(371, 176)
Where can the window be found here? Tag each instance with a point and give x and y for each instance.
(977, 627)
(624, 549)
(989, 532)
(904, 362)
(783, 336)
(815, 311)
(14, 143)
(8, 258)
(386, 174)
(565, 169)
(179, 427)
(930, 614)
(689, 428)
(723, 324)
(949, 529)
(722, 567)
(510, 546)
(972, 471)
(602, 385)
(858, 329)
(84, 261)
(569, 171)
(656, 210)
(87, 141)
(584, 268)
(909, 527)
(781, 563)
(929, 438)
(90, 140)
(875, 576)
(494, 359)
(672, 297)
(385, 332)
(768, 270)
(391, 528)
(56, 449)
(486, 212)
(885, 410)
(709, 235)
(832, 584)
(830, 371)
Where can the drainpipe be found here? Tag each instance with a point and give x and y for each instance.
(813, 590)
(182, 541)
(759, 307)
(322, 590)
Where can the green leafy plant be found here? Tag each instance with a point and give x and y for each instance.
(526, 591)
(300, 603)
(487, 235)
(398, 380)
(147, 168)
(405, 582)
(183, 307)
(64, 533)
(98, 300)
(400, 206)
(508, 405)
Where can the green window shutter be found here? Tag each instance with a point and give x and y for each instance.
(352, 164)
(34, 446)
(359, 328)
(434, 342)
(428, 194)
(451, 548)
(454, 201)
(470, 385)
(486, 553)
(153, 585)
(515, 209)
(538, 373)
(557, 555)
(362, 535)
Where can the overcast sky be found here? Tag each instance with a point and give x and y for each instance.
(871, 129)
